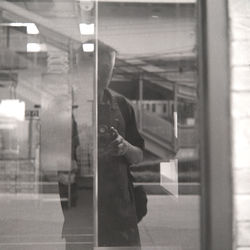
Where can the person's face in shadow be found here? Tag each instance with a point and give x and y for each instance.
(106, 62)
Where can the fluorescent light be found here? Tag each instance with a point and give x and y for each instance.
(87, 29)
(10, 108)
(175, 124)
(88, 47)
(16, 24)
(36, 47)
(32, 29)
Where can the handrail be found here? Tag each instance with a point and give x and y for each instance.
(153, 124)
(162, 130)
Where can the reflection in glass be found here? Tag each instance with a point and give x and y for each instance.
(156, 72)
(46, 153)
(46, 127)
(119, 146)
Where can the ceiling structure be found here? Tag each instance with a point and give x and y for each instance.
(156, 45)
(156, 42)
(162, 73)
(163, 70)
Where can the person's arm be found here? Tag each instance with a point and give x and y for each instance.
(132, 145)
(133, 154)
(121, 147)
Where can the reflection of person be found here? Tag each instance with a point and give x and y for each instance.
(119, 146)
(64, 183)
(64, 176)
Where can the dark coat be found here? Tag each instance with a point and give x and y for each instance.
(117, 221)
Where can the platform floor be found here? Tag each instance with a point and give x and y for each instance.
(36, 223)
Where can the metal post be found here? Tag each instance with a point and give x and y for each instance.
(140, 113)
(69, 189)
(95, 134)
(216, 177)
(175, 117)
(30, 137)
(70, 70)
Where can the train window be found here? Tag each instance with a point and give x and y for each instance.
(153, 107)
(164, 108)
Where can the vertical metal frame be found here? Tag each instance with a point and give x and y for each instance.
(95, 125)
(214, 95)
(216, 171)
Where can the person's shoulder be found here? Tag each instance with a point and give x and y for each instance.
(122, 100)
(124, 105)
(116, 95)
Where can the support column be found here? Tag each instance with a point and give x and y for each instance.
(140, 106)
(175, 118)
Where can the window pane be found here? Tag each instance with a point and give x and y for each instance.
(155, 72)
(46, 125)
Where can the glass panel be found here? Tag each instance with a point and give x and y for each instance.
(155, 76)
(46, 125)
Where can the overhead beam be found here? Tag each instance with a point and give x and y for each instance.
(55, 36)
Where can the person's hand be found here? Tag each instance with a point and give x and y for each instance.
(119, 146)
(74, 166)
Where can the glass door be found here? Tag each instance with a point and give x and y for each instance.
(99, 125)
(147, 61)
(46, 125)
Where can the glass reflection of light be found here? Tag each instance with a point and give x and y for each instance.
(36, 47)
(88, 47)
(87, 29)
(14, 109)
(31, 27)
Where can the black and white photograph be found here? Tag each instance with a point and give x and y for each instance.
(124, 125)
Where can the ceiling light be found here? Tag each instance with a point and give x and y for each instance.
(36, 47)
(12, 108)
(87, 29)
(32, 29)
(88, 47)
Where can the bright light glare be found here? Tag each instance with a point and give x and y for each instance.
(88, 47)
(35, 47)
(31, 27)
(12, 109)
(16, 24)
(87, 29)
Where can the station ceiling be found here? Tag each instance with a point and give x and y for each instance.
(159, 72)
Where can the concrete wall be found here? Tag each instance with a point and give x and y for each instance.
(240, 114)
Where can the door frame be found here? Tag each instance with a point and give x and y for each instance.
(215, 129)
